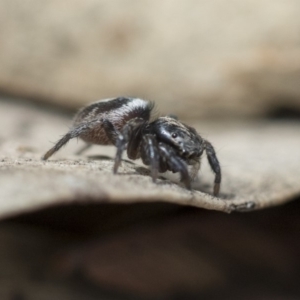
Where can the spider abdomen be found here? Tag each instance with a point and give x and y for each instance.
(117, 111)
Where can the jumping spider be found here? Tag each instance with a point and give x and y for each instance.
(164, 143)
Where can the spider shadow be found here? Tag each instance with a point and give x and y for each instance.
(106, 157)
(165, 180)
(138, 169)
(207, 189)
(143, 171)
(99, 157)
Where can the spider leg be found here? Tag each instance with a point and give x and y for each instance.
(128, 137)
(110, 130)
(175, 163)
(83, 148)
(150, 154)
(215, 166)
(194, 170)
(73, 133)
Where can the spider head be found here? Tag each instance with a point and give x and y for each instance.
(182, 138)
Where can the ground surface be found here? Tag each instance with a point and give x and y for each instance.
(260, 164)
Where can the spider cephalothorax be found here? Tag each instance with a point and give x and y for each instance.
(163, 143)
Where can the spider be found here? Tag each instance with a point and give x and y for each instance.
(163, 143)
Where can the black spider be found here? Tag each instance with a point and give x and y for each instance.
(164, 143)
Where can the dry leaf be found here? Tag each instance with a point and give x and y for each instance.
(260, 163)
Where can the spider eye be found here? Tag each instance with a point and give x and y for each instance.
(174, 135)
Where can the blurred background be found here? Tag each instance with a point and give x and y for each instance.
(201, 60)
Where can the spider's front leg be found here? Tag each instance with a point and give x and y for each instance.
(130, 138)
(175, 163)
(150, 154)
(215, 165)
